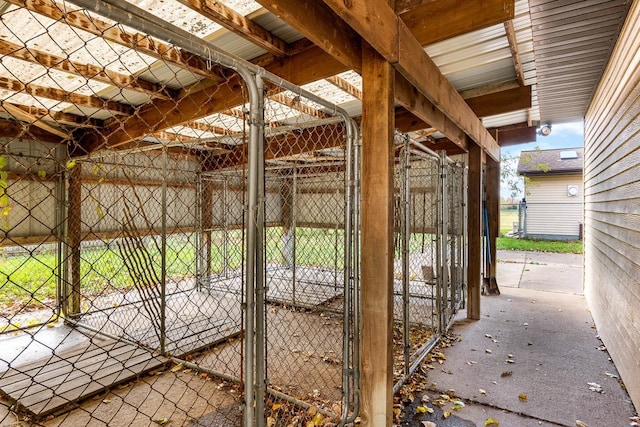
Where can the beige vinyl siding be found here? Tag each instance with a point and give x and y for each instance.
(612, 205)
(551, 212)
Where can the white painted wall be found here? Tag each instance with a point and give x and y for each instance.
(550, 209)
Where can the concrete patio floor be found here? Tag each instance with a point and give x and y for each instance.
(536, 341)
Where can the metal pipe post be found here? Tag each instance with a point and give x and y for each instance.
(261, 338)
(406, 241)
(163, 257)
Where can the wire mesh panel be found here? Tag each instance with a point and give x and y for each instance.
(416, 291)
(113, 142)
(31, 202)
(193, 229)
(308, 347)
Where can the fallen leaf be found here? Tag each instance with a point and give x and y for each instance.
(312, 411)
(107, 401)
(421, 410)
(271, 421)
(162, 421)
(429, 424)
(317, 420)
(457, 405)
(523, 396)
(595, 387)
(580, 424)
(486, 350)
(491, 422)
(506, 374)
(177, 368)
(482, 391)
(276, 406)
(446, 414)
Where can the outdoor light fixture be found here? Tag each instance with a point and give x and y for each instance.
(545, 130)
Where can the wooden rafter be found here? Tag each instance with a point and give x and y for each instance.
(239, 24)
(488, 89)
(402, 6)
(116, 34)
(206, 127)
(88, 71)
(341, 83)
(58, 117)
(491, 104)
(20, 129)
(296, 104)
(321, 25)
(515, 52)
(21, 115)
(400, 47)
(64, 96)
(434, 21)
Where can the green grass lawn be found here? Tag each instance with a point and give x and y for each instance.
(507, 218)
(30, 279)
(510, 243)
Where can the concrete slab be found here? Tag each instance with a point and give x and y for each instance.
(536, 340)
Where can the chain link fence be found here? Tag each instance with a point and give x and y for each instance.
(430, 260)
(178, 230)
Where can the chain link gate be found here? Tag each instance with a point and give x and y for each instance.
(430, 251)
(166, 251)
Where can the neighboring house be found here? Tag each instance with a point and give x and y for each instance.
(554, 193)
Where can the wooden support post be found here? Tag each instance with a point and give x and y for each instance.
(474, 228)
(207, 224)
(74, 239)
(492, 189)
(377, 239)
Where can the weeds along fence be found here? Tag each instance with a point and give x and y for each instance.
(191, 218)
(430, 251)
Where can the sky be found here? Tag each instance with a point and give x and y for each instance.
(564, 135)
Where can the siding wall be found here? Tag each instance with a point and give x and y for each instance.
(612, 205)
(551, 212)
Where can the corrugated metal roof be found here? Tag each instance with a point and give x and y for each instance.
(572, 43)
(563, 46)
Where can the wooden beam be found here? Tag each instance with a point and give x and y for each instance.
(79, 19)
(87, 71)
(72, 292)
(398, 45)
(58, 117)
(492, 197)
(239, 24)
(516, 136)
(402, 6)
(515, 51)
(206, 213)
(319, 24)
(164, 114)
(518, 98)
(24, 116)
(488, 89)
(423, 73)
(295, 104)
(20, 130)
(377, 239)
(64, 96)
(344, 85)
(474, 229)
(414, 101)
(443, 19)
